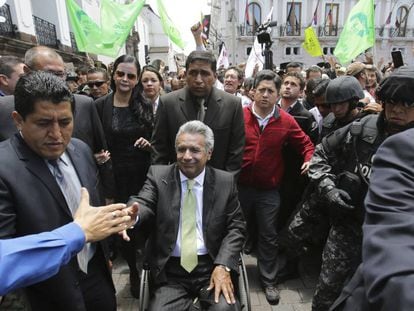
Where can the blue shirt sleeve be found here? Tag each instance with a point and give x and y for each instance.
(34, 258)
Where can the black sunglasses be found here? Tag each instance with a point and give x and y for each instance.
(95, 83)
(130, 76)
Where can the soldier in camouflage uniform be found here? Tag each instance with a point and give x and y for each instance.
(341, 167)
(368, 289)
(310, 223)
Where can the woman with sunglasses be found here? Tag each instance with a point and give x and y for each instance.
(152, 85)
(127, 119)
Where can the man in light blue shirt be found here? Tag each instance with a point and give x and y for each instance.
(34, 258)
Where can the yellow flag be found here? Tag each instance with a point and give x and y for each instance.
(311, 43)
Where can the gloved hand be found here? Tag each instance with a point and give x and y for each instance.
(339, 198)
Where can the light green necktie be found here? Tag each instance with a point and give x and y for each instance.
(188, 229)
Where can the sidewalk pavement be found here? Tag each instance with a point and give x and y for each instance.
(296, 294)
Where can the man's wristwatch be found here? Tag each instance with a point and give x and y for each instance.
(225, 268)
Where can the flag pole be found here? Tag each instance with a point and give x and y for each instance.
(288, 16)
(314, 13)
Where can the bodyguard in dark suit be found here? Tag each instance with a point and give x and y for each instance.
(40, 179)
(87, 125)
(180, 270)
(199, 100)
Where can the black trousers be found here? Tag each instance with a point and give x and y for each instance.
(96, 292)
(182, 288)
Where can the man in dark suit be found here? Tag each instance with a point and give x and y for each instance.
(189, 262)
(87, 125)
(40, 179)
(293, 183)
(199, 100)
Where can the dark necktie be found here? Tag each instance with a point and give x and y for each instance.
(201, 109)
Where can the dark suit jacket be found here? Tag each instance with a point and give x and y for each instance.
(385, 281)
(87, 127)
(223, 223)
(305, 120)
(32, 202)
(224, 116)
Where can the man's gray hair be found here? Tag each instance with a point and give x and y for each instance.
(197, 127)
(31, 55)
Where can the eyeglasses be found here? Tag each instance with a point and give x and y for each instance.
(121, 74)
(95, 83)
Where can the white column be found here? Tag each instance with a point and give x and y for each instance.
(62, 28)
(21, 12)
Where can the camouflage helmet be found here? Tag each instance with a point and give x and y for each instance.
(344, 89)
(398, 86)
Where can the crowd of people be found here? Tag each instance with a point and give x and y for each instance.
(196, 168)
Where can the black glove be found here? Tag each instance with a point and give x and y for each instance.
(339, 198)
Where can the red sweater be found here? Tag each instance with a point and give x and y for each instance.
(263, 165)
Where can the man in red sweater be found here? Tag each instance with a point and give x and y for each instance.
(268, 129)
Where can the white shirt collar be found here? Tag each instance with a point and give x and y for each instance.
(266, 117)
(199, 179)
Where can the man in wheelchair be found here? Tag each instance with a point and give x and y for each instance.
(197, 227)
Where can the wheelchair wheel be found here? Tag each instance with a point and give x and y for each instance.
(144, 291)
(244, 294)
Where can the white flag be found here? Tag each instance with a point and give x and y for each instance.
(172, 66)
(255, 56)
(223, 58)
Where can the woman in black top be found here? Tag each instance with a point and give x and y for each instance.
(127, 119)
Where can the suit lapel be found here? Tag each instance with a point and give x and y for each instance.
(213, 107)
(187, 105)
(174, 192)
(37, 166)
(79, 164)
(208, 198)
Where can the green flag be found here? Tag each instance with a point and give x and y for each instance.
(311, 43)
(87, 32)
(108, 38)
(117, 21)
(169, 29)
(358, 33)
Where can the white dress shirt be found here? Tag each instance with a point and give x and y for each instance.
(198, 192)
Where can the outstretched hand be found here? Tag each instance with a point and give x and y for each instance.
(100, 222)
(132, 211)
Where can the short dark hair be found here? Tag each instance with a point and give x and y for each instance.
(124, 59)
(267, 75)
(205, 56)
(294, 65)
(248, 83)
(99, 70)
(313, 68)
(83, 69)
(36, 86)
(7, 64)
(298, 76)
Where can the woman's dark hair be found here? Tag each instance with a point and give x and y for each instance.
(154, 70)
(139, 106)
(124, 59)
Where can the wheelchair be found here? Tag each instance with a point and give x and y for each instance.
(242, 288)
